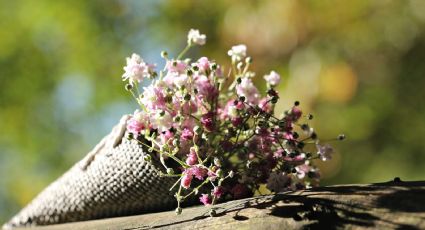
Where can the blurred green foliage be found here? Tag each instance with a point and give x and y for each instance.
(357, 65)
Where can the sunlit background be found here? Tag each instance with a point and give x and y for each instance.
(358, 66)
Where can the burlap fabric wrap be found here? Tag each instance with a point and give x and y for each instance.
(112, 180)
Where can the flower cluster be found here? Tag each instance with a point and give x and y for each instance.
(216, 132)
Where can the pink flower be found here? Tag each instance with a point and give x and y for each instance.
(288, 125)
(288, 136)
(176, 66)
(218, 191)
(273, 78)
(239, 105)
(302, 170)
(204, 64)
(134, 126)
(136, 69)
(279, 153)
(188, 108)
(206, 90)
(296, 113)
(219, 72)
(198, 172)
(212, 175)
(248, 90)
(205, 199)
(207, 121)
(325, 151)
(153, 97)
(237, 121)
(186, 180)
(265, 105)
(192, 158)
(230, 109)
(165, 136)
(299, 159)
(187, 134)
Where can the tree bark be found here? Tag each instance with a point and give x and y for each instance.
(390, 205)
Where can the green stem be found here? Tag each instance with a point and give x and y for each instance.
(184, 52)
(174, 185)
(197, 188)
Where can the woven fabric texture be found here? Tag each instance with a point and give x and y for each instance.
(112, 180)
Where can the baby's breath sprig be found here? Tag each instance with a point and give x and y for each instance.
(222, 142)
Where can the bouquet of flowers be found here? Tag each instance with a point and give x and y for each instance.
(215, 132)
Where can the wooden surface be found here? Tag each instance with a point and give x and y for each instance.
(391, 205)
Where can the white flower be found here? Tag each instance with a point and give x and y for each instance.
(237, 52)
(136, 69)
(161, 120)
(273, 78)
(181, 80)
(278, 182)
(194, 37)
(325, 151)
(248, 90)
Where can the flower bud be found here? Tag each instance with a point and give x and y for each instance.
(164, 54)
(168, 98)
(248, 164)
(147, 158)
(248, 60)
(310, 116)
(128, 87)
(281, 124)
(274, 99)
(176, 142)
(239, 65)
(214, 66)
(176, 118)
(220, 173)
(130, 136)
(170, 171)
(197, 130)
(213, 213)
(305, 127)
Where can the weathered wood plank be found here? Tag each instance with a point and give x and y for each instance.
(391, 205)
